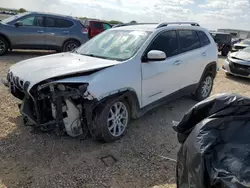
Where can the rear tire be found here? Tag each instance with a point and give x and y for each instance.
(205, 87)
(70, 45)
(110, 121)
(225, 51)
(4, 46)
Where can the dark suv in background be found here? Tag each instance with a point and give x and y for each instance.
(224, 42)
(94, 27)
(33, 30)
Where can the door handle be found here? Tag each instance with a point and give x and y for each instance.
(40, 31)
(177, 62)
(204, 54)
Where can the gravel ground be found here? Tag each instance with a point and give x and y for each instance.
(30, 158)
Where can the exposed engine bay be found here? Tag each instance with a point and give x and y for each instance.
(64, 108)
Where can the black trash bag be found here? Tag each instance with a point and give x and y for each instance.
(215, 138)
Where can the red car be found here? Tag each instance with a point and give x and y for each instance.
(94, 27)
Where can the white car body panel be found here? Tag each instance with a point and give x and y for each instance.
(39, 69)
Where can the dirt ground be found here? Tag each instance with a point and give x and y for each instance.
(34, 159)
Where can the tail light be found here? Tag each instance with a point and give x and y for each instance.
(85, 30)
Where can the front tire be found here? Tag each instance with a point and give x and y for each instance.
(205, 87)
(4, 46)
(110, 121)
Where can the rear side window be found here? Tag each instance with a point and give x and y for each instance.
(58, 23)
(189, 40)
(166, 42)
(106, 26)
(97, 25)
(203, 38)
(63, 23)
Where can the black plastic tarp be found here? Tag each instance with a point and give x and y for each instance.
(215, 144)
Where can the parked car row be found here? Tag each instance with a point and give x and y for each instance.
(33, 30)
(76, 93)
(7, 12)
(226, 43)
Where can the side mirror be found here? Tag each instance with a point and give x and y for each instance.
(156, 55)
(18, 24)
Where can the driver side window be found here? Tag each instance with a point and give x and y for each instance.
(166, 42)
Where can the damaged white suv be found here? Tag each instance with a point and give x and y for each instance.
(118, 75)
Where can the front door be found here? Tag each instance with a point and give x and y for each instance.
(160, 78)
(30, 34)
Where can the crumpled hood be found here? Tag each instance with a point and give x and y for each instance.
(241, 55)
(38, 69)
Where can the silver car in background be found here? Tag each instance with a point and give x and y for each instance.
(33, 30)
(238, 63)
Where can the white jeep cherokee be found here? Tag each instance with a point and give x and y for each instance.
(118, 75)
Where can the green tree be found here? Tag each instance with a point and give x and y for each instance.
(133, 21)
(21, 10)
(114, 22)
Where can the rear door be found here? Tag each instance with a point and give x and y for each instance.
(30, 34)
(192, 58)
(57, 30)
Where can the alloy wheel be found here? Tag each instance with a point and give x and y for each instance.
(117, 119)
(206, 86)
(71, 46)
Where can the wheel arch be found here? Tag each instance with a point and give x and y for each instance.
(129, 96)
(7, 39)
(71, 39)
(211, 68)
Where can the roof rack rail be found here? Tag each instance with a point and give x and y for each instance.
(127, 24)
(163, 24)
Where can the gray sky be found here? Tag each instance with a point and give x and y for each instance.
(212, 14)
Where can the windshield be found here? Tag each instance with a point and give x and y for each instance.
(114, 44)
(245, 42)
(11, 18)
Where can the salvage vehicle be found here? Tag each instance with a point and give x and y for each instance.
(241, 45)
(120, 74)
(224, 42)
(238, 63)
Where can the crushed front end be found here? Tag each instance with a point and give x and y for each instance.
(62, 107)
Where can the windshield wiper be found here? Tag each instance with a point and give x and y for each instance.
(92, 55)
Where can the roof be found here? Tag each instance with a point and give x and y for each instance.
(154, 26)
(53, 14)
(145, 27)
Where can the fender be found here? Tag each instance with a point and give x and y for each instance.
(210, 68)
(6, 38)
(125, 93)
